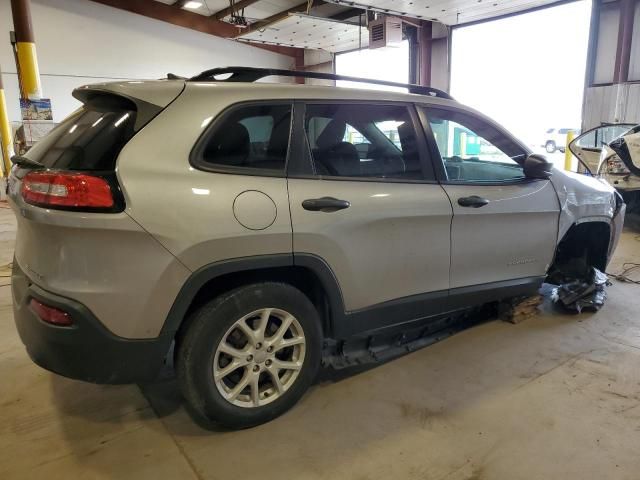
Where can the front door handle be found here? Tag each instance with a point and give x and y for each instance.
(325, 204)
(473, 201)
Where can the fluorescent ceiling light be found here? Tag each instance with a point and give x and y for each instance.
(193, 5)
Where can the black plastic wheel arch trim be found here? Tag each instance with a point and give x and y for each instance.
(344, 324)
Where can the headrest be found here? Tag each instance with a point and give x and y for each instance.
(234, 144)
(332, 134)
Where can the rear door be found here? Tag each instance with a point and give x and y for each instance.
(504, 225)
(364, 199)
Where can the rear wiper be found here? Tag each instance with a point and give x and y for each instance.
(23, 161)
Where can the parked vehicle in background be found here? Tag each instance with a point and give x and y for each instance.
(264, 229)
(556, 139)
(612, 152)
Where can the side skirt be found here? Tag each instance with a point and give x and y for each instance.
(391, 329)
(385, 346)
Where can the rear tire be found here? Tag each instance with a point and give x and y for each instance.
(233, 375)
(550, 146)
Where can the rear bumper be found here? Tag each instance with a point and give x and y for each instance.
(87, 350)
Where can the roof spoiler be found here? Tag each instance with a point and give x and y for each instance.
(146, 98)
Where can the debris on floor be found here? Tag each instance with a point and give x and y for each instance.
(518, 309)
(624, 276)
(578, 287)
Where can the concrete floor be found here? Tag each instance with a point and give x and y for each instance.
(557, 396)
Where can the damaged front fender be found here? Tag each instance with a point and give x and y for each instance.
(583, 199)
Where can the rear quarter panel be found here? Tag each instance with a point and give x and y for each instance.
(189, 211)
(107, 262)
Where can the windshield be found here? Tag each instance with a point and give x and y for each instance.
(596, 138)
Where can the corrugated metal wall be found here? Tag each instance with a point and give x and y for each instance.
(611, 104)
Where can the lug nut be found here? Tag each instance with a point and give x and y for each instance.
(256, 368)
(267, 363)
(250, 358)
(270, 349)
(258, 346)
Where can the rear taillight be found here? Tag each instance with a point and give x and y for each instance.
(66, 190)
(616, 166)
(50, 314)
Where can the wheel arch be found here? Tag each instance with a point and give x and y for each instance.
(307, 272)
(591, 239)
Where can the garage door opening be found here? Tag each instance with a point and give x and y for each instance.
(388, 63)
(526, 71)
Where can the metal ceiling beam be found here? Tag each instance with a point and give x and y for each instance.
(260, 24)
(225, 12)
(184, 18)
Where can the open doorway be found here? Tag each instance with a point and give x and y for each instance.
(527, 72)
(388, 63)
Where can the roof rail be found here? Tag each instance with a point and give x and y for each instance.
(251, 74)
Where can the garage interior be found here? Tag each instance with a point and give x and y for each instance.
(554, 396)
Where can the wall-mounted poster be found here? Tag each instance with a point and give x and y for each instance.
(37, 120)
(36, 109)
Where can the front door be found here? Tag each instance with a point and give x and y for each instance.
(369, 206)
(504, 226)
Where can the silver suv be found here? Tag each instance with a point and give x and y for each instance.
(263, 229)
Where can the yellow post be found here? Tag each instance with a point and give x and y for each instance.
(28, 72)
(568, 156)
(5, 133)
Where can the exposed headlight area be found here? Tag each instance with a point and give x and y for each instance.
(615, 166)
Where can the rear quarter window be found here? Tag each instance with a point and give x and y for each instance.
(250, 139)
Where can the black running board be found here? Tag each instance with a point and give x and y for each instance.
(384, 347)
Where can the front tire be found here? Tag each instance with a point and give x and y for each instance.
(250, 354)
(550, 146)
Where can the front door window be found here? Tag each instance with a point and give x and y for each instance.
(472, 150)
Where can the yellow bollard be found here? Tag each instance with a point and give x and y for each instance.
(568, 156)
(5, 134)
(29, 75)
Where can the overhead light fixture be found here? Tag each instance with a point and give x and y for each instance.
(192, 5)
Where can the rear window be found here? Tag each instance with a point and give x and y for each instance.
(90, 138)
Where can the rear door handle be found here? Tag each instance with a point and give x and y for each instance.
(473, 201)
(325, 204)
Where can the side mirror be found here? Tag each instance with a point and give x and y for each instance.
(537, 166)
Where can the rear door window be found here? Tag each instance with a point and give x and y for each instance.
(89, 139)
(247, 139)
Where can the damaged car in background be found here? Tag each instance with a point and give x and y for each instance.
(612, 153)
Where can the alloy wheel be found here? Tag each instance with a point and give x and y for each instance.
(259, 358)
